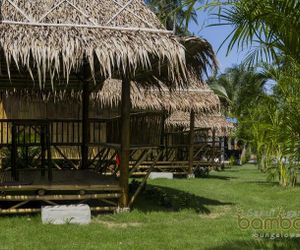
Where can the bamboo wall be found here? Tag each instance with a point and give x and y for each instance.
(145, 128)
(23, 108)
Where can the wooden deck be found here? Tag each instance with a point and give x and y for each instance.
(78, 179)
(68, 187)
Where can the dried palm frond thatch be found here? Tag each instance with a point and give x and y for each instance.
(198, 97)
(212, 121)
(200, 55)
(52, 40)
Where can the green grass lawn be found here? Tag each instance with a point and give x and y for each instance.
(171, 214)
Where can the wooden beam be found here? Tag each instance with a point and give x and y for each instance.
(85, 126)
(125, 142)
(68, 25)
(213, 144)
(48, 149)
(139, 189)
(37, 210)
(162, 132)
(14, 152)
(191, 142)
(163, 138)
(43, 150)
(58, 197)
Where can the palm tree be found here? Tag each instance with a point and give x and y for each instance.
(272, 125)
(173, 14)
(238, 88)
(269, 27)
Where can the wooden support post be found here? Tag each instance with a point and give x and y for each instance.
(213, 145)
(162, 134)
(43, 150)
(125, 143)
(139, 189)
(191, 144)
(48, 148)
(85, 126)
(14, 152)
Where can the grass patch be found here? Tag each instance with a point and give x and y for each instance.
(172, 214)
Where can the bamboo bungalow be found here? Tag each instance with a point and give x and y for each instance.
(210, 133)
(69, 46)
(150, 107)
(198, 98)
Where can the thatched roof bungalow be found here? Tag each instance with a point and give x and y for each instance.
(214, 121)
(50, 40)
(196, 97)
(75, 45)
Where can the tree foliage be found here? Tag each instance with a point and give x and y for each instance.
(173, 14)
(269, 28)
(272, 126)
(238, 87)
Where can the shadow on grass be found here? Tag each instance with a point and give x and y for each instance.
(231, 170)
(272, 184)
(157, 198)
(219, 177)
(264, 183)
(261, 244)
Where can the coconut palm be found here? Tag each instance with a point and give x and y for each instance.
(269, 27)
(272, 127)
(170, 10)
(238, 87)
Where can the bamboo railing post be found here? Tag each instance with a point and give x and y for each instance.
(43, 149)
(191, 144)
(162, 134)
(85, 126)
(213, 146)
(14, 152)
(48, 148)
(125, 143)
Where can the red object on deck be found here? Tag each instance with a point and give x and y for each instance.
(118, 160)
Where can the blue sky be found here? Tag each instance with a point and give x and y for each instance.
(216, 35)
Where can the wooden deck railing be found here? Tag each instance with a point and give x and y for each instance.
(63, 132)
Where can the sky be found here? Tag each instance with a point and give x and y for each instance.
(216, 35)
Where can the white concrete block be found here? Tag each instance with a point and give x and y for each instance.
(72, 214)
(160, 175)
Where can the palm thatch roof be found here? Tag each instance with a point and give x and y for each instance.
(200, 58)
(51, 41)
(200, 55)
(212, 121)
(197, 97)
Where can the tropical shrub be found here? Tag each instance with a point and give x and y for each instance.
(273, 127)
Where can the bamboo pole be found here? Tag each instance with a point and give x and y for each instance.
(48, 149)
(191, 144)
(125, 143)
(162, 132)
(43, 150)
(14, 152)
(139, 189)
(85, 126)
(163, 143)
(37, 210)
(214, 146)
(67, 25)
(58, 197)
